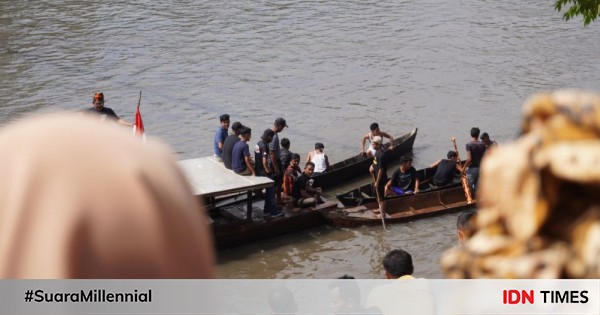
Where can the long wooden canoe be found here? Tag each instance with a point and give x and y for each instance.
(359, 164)
(366, 194)
(231, 227)
(236, 222)
(403, 209)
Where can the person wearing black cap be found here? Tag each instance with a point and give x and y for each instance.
(275, 152)
(105, 112)
(264, 167)
(229, 142)
(319, 158)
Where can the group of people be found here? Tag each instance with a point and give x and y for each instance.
(405, 179)
(273, 159)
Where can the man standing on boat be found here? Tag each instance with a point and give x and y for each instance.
(375, 132)
(379, 167)
(220, 136)
(475, 151)
(105, 112)
(485, 138)
(264, 167)
(275, 153)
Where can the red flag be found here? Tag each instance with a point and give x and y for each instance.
(138, 127)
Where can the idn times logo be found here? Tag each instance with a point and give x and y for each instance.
(547, 297)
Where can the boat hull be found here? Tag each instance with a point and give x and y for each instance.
(359, 165)
(230, 227)
(403, 209)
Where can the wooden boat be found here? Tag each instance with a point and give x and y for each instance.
(403, 209)
(240, 222)
(366, 193)
(359, 164)
(231, 225)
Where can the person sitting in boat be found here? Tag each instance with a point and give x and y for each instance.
(303, 193)
(446, 169)
(404, 180)
(370, 135)
(318, 158)
(291, 174)
(241, 160)
(105, 112)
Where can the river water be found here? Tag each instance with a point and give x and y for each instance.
(329, 67)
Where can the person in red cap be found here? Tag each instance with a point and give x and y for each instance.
(105, 112)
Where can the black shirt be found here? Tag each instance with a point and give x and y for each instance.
(477, 150)
(286, 157)
(228, 149)
(380, 162)
(405, 181)
(300, 184)
(261, 150)
(104, 113)
(444, 173)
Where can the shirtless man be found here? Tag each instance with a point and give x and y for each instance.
(370, 135)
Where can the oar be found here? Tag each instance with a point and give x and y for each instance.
(463, 177)
(381, 210)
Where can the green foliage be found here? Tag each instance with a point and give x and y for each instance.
(588, 9)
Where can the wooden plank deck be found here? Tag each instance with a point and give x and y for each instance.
(210, 178)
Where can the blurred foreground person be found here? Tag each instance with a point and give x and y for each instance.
(404, 294)
(540, 216)
(83, 199)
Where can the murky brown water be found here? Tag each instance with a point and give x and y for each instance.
(330, 67)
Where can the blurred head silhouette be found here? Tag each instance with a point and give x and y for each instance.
(82, 199)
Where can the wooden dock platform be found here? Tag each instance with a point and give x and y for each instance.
(209, 178)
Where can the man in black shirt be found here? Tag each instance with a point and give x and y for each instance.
(105, 112)
(475, 151)
(230, 142)
(379, 167)
(303, 192)
(404, 180)
(444, 174)
(264, 167)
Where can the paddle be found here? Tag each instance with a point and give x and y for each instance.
(381, 208)
(463, 177)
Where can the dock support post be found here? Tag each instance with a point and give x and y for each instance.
(249, 206)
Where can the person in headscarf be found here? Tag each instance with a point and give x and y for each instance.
(83, 199)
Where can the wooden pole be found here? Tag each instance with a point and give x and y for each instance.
(463, 177)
